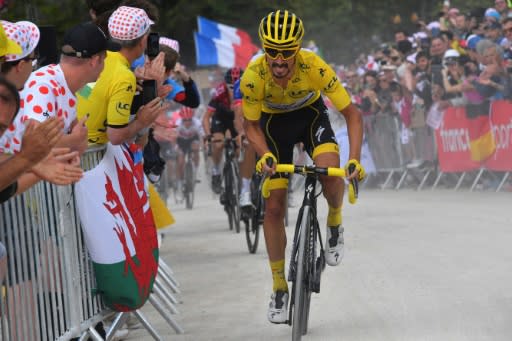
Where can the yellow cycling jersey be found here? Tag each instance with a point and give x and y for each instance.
(311, 77)
(108, 101)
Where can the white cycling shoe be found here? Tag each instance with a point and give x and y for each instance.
(278, 308)
(335, 245)
(245, 199)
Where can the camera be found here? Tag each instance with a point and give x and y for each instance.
(153, 46)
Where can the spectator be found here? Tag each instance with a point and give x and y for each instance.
(507, 32)
(461, 29)
(401, 35)
(56, 168)
(17, 67)
(452, 74)
(369, 103)
(493, 33)
(491, 15)
(109, 102)
(187, 95)
(50, 91)
(502, 8)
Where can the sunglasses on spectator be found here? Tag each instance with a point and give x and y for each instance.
(395, 58)
(284, 53)
(187, 120)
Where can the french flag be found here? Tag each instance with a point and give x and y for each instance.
(222, 45)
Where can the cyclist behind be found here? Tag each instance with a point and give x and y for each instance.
(189, 134)
(220, 111)
(282, 105)
(249, 156)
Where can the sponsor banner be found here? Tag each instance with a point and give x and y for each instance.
(453, 142)
(501, 125)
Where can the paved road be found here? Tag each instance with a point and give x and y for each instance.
(418, 266)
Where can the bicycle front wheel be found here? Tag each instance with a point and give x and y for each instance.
(301, 290)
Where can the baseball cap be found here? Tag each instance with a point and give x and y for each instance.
(85, 40)
(472, 41)
(492, 13)
(7, 46)
(23, 33)
(128, 23)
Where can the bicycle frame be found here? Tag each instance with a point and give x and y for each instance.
(307, 260)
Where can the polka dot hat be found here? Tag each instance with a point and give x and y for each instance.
(25, 34)
(128, 23)
(173, 44)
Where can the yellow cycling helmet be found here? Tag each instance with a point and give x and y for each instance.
(281, 29)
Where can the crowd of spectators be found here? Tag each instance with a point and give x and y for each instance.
(462, 58)
(50, 114)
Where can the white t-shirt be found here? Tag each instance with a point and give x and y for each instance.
(46, 94)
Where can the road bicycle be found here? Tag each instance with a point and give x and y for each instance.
(307, 260)
(230, 195)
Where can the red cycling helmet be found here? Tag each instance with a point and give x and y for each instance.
(232, 75)
(186, 113)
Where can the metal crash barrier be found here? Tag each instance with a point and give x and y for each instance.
(49, 289)
(423, 157)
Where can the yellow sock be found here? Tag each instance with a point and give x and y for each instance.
(277, 268)
(334, 217)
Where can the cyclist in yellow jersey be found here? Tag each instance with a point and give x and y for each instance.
(282, 105)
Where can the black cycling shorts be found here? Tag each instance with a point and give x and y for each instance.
(309, 125)
(223, 123)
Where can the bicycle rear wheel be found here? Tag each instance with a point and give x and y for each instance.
(301, 290)
(190, 183)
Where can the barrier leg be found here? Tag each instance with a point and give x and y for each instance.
(147, 325)
(437, 180)
(459, 182)
(475, 182)
(402, 179)
(119, 321)
(168, 271)
(162, 275)
(424, 180)
(94, 334)
(166, 292)
(388, 179)
(177, 328)
(505, 177)
(161, 296)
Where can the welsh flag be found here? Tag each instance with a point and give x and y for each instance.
(118, 228)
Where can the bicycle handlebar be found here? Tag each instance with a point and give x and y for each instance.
(311, 169)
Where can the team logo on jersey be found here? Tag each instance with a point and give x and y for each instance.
(319, 133)
(298, 93)
(304, 67)
(121, 107)
(322, 71)
(296, 80)
(332, 83)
